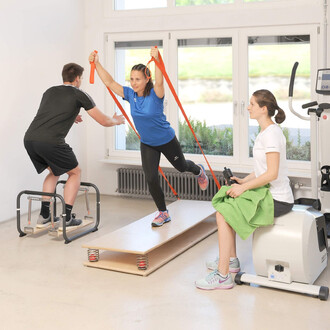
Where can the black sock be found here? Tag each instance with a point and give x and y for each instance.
(68, 209)
(45, 209)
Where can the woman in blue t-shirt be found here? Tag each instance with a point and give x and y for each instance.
(157, 136)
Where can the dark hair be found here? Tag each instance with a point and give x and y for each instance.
(71, 71)
(265, 98)
(146, 72)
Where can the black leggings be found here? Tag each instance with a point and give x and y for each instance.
(150, 156)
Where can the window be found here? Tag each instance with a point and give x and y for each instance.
(127, 54)
(214, 73)
(140, 4)
(206, 93)
(271, 59)
(201, 2)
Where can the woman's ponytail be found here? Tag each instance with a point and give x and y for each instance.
(265, 98)
(280, 116)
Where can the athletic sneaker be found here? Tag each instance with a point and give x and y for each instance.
(202, 179)
(215, 281)
(45, 222)
(72, 222)
(161, 218)
(234, 265)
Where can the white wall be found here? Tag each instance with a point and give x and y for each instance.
(37, 38)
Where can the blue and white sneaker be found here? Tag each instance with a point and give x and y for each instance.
(214, 281)
(234, 265)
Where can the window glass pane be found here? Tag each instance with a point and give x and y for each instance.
(206, 93)
(259, 0)
(271, 59)
(128, 54)
(201, 2)
(139, 4)
(263, 0)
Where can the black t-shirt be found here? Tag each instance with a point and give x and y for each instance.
(58, 110)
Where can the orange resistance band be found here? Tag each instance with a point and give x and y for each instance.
(91, 76)
(131, 124)
(161, 66)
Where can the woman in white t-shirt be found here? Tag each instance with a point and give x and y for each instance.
(270, 168)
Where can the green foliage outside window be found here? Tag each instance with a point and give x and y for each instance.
(201, 2)
(215, 141)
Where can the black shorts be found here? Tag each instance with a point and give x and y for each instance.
(60, 158)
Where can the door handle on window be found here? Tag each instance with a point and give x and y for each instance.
(235, 108)
(242, 108)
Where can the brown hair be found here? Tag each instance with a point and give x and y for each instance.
(71, 71)
(265, 98)
(146, 73)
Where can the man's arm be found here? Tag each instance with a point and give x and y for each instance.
(105, 120)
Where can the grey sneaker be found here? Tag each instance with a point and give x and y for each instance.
(215, 281)
(234, 265)
(45, 222)
(73, 221)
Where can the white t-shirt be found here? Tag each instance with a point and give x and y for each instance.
(273, 140)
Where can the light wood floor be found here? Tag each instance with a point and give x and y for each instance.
(44, 285)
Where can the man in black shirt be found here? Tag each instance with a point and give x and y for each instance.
(45, 138)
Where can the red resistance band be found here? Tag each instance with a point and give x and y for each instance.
(91, 76)
(161, 66)
(130, 123)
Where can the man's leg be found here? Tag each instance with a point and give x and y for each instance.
(70, 193)
(49, 183)
(49, 186)
(72, 185)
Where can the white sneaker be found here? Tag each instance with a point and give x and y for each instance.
(234, 265)
(215, 281)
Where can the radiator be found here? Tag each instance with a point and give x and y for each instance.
(132, 182)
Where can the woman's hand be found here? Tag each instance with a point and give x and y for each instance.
(236, 190)
(154, 52)
(93, 57)
(238, 180)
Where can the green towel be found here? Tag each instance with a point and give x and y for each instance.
(250, 210)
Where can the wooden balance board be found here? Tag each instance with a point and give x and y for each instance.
(140, 249)
(59, 231)
(56, 232)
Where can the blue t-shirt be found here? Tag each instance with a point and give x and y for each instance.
(149, 118)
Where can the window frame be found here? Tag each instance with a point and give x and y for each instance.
(295, 167)
(239, 162)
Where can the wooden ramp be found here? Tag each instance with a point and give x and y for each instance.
(140, 249)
